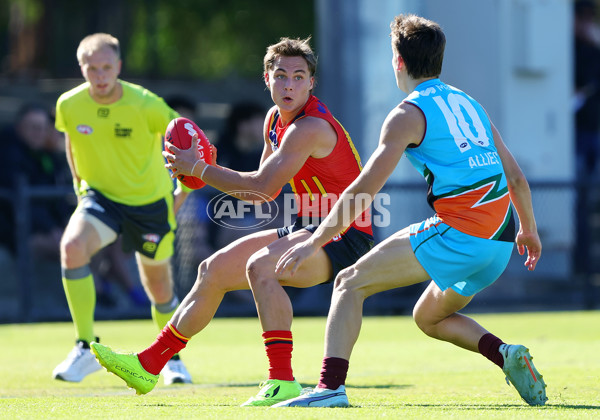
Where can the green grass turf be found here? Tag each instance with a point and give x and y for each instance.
(395, 372)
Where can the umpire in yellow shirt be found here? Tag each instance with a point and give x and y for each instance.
(113, 131)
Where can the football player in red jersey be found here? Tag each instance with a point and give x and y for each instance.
(303, 143)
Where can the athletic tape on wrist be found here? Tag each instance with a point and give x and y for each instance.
(194, 167)
(203, 170)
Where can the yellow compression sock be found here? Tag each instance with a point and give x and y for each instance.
(81, 297)
(163, 312)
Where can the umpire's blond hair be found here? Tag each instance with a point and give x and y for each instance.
(95, 42)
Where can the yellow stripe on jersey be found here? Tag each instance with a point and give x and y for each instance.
(319, 186)
(351, 144)
(311, 197)
(293, 186)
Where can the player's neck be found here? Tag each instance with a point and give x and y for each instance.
(111, 97)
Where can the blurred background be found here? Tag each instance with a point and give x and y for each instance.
(533, 64)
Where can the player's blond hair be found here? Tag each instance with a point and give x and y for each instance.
(95, 42)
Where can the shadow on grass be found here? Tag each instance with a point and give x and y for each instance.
(255, 384)
(459, 406)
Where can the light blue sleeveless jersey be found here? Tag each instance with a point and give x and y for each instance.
(458, 158)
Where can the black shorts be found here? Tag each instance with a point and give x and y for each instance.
(143, 228)
(342, 253)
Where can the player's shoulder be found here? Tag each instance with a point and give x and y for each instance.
(138, 91)
(312, 124)
(74, 93)
(405, 121)
(406, 112)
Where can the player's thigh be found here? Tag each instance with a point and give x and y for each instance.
(390, 264)
(152, 270)
(316, 270)
(86, 234)
(227, 266)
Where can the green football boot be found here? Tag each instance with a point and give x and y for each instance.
(273, 391)
(126, 367)
(522, 374)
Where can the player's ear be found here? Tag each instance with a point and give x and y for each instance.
(312, 82)
(267, 81)
(119, 65)
(399, 62)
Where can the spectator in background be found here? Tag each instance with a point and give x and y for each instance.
(241, 142)
(33, 163)
(586, 106)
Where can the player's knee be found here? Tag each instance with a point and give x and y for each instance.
(423, 321)
(204, 273)
(346, 282)
(210, 276)
(255, 269)
(73, 252)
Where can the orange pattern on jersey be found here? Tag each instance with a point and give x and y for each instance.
(470, 214)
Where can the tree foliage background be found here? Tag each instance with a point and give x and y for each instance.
(205, 39)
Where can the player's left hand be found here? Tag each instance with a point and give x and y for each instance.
(293, 258)
(181, 161)
(532, 242)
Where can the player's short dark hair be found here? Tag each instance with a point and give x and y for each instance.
(421, 43)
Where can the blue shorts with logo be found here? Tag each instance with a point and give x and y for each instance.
(465, 263)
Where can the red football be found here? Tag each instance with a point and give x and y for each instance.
(179, 133)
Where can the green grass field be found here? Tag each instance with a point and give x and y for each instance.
(395, 372)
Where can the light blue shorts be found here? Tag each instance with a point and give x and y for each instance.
(453, 259)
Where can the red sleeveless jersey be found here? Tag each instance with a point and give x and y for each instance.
(320, 182)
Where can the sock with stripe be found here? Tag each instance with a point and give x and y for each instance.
(163, 312)
(333, 373)
(489, 346)
(279, 346)
(81, 298)
(168, 343)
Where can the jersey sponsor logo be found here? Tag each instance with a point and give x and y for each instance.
(149, 247)
(85, 129)
(427, 92)
(484, 159)
(336, 238)
(122, 131)
(103, 112)
(273, 140)
(151, 237)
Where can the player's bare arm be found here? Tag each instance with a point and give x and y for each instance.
(403, 126)
(520, 195)
(306, 137)
(69, 153)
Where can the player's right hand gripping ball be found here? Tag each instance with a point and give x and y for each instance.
(179, 133)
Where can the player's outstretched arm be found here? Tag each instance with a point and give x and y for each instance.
(404, 125)
(520, 195)
(303, 139)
